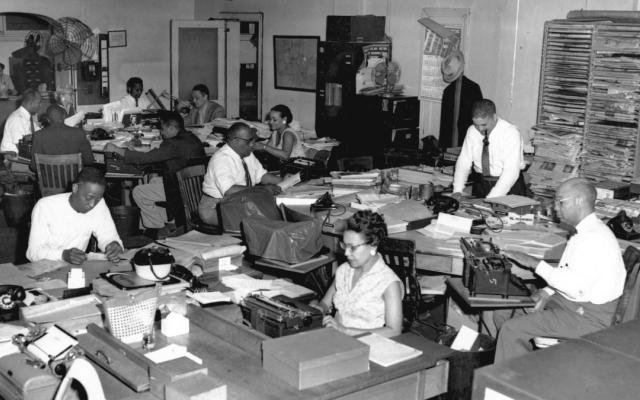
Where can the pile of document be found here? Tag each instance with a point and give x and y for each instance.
(557, 158)
(424, 174)
(359, 180)
(608, 208)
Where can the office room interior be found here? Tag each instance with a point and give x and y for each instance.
(447, 334)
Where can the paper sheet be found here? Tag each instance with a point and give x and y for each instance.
(209, 297)
(289, 181)
(464, 339)
(386, 352)
(171, 352)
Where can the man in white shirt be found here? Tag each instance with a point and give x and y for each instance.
(583, 290)
(231, 169)
(21, 122)
(493, 149)
(62, 224)
(134, 99)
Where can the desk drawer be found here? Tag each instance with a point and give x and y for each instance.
(406, 387)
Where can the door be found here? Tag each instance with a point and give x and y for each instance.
(206, 52)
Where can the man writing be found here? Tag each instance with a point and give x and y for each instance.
(583, 289)
(59, 138)
(62, 224)
(178, 147)
(231, 169)
(493, 148)
(21, 122)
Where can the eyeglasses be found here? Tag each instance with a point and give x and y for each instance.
(557, 200)
(250, 142)
(351, 247)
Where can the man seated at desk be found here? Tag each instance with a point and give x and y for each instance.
(366, 293)
(492, 148)
(62, 224)
(58, 138)
(133, 99)
(177, 148)
(232, 168)
(21, 122)
(583, 289)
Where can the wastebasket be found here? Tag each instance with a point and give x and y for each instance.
(463, 363)
(17, 206)
(126, 220)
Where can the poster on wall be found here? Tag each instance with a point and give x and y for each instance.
(295, 62)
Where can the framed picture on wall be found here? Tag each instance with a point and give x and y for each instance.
(295, 62)
(118, 38)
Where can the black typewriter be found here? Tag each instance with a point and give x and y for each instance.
(24, 146)
(307, 167)
(279, 315)
(487, 271)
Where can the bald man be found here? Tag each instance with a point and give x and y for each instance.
(583, 290)
(22, 122)
(59, 138)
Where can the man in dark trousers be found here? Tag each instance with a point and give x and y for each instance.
(457, 100)
(58, 139)
(177, 148)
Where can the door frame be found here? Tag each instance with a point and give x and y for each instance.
(228, 45)
(259, 18)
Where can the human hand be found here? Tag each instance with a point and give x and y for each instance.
(541, 297)
(260, 146)
(113, 251)
(274, 189)
(74, 256)
(456, 195)
(522, 259)
(112, 148)
(329, 322)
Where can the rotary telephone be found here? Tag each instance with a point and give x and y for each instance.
(10, 297)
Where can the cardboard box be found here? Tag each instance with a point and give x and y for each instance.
(612, 190)
(315, 357)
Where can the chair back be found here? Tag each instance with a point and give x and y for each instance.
(190, 186)
(629, 304)
(56, 172)
(400, 256)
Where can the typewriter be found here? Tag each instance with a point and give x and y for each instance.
(280, 315)
(486, 271)
(307, 167)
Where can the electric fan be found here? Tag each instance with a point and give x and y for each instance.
(71, 40)
(387, 75)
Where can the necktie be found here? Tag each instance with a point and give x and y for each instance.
(33, 127)
(486, 170)
(247, 175)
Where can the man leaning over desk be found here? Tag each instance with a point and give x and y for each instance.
(492, 148)
(231, 169)
(583, 290)
(62, 224)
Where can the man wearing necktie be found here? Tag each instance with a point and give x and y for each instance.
(582, 290)
(231, 169)
(21, 122)
(492, 149)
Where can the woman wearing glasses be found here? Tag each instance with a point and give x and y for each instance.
(366, 293)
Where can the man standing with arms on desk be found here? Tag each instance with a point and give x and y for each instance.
(62, 224)
(231, 169)
(583, 290)
(21, 122)
(493, 149)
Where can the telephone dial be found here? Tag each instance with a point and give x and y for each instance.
(10, 297)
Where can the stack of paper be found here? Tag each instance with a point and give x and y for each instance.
(557, 157)
(387, 352)
(365, 179)
(424, 174)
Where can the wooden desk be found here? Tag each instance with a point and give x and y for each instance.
(419, 378)
(602, 365)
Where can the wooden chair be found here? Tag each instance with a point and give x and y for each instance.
(400, 256)
(356, 164)
(190, 187)
(56, 172)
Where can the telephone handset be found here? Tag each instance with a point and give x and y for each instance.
(10, 297)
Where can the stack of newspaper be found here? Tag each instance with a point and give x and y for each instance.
(557, 157)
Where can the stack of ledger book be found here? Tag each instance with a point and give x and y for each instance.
(358, 180)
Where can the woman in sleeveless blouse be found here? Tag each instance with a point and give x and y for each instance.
(284, 142)
(366, 293)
